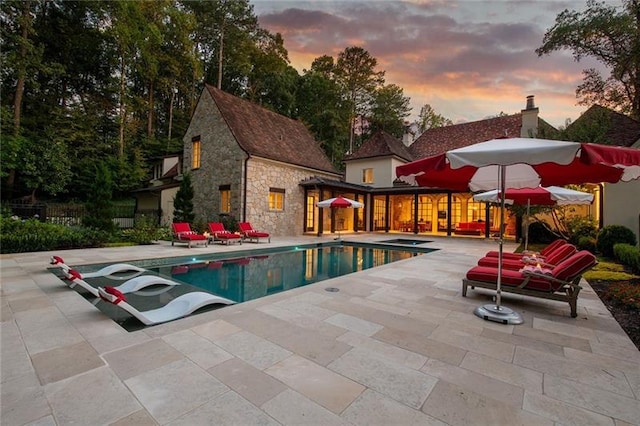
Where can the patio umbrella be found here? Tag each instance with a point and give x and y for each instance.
(520, 163)
(540, 196)
(340, 202)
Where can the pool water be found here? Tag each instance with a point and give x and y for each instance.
(252, 274)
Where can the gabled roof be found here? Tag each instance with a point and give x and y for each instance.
(623, 130)
(440, 139)
(381, 144)
(266, 134)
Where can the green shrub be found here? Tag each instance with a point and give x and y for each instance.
(144, 231)
(611, 235)
(628, 255)
(17, 236)
(580, 227)
(230, 223)
(586, 243)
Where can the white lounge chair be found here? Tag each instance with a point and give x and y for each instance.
(130, 286)
(177, 308)
(108, 271)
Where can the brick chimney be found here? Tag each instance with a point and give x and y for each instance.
(529, 127)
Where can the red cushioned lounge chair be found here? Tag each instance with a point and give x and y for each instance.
(560, 253)
(544, 252)
(560, 283)
(218, 233)
(182, 233)
(248, 233)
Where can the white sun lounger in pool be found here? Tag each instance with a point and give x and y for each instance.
(107, 271)
(130, 286)
(177, 308)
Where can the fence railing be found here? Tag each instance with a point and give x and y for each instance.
(72, 214)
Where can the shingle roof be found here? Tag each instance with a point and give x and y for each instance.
(623, 130)
(266, 134)
(381, 144)
(440, 139)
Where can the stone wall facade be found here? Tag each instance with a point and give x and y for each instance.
(265, 174)
(223, 162)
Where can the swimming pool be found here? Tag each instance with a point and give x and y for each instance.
(250, 274)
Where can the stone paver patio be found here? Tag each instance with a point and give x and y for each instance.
(396, 345)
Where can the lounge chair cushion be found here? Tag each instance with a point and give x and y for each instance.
(544, 252)
(561, 253)
(510, 278)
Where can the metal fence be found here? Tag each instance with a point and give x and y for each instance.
(72, 214)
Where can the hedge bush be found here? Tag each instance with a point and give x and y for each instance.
(539, 233)
(611, 235)
(628, 255)
(17, 236)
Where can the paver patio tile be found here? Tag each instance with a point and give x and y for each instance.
(479, 383)
(96, 397)
(198, 349)
(472, 343)
(134, 360)
(563, 413)
(566, 329)
(301, 320)
(217, 329)
(67, 361)
(591, 398)
(45, 329)
(291, 408)
(396, 381)
(174, 389)
(373, 408)
(254, 385)
(505, 371)
(22, 400)
(523, 341)
(139, 418)
(421, 345)
(456, 405)
(386, 350)
(321, 385)
(349, 322)
(228, 409)
(607, 379)
(554, 338)
(253, 349)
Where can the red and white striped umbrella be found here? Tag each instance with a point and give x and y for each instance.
(340, 202)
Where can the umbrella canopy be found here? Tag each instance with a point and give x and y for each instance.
(340, 202)
(529, 163)
(540, 196)
(520, 163)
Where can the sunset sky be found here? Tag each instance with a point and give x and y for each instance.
(468, 59)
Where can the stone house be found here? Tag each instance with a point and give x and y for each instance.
(247, 162)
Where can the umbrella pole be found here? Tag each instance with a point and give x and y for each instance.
(526, 228)
(495, 312)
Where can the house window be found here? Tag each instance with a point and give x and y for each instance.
(367, 175)
(276, 199)
(195, 152)
(225, 198)
(311, 212)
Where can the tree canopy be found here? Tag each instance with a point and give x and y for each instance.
(610, 35)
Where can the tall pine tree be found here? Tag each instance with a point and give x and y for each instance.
(183, 201)
(100, 205)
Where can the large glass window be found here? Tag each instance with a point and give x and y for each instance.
(425, 213)
(475, 211)
(379, 207)
(311, 212)
(276, 199)
(195, 153)
(442, 212)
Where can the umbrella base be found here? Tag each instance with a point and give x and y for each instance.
(501, 314)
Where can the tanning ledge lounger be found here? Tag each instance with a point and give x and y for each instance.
(177, 308)
(130, 286)
(108, 271)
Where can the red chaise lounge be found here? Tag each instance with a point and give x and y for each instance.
(248, 233)
(560, 283)
(182, 233)
(544, 252)
(218, 233)
(560, 253)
